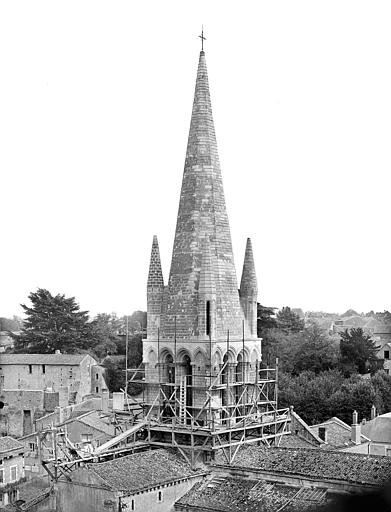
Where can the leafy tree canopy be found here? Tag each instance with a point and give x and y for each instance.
(288, 321)
(318, 397)
(53, 323)
(105, 334)
(265, 319)
(358, 351)
(315, 350)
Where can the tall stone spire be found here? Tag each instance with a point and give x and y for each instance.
(249, 289)
(202, 216)
(207, 294)
(155, 289)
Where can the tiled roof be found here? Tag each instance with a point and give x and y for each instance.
(142, 470)
(54, 359)
(8, 444)
(93, 421)
(295, 441)
(319, 464)
(234, 495)
(379, 429)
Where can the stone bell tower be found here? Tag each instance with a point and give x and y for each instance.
(204, 387)
(191, 319)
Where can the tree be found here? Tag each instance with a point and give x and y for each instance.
(318, 397)
(288, 321)
(105, 329)
(358, 352)
(315, 351)
(115, 370)
(53, 323)
(265, 319)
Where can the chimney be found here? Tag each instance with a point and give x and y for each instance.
(356, 429)
(373, 412)
(60, 411)
(118, 401)
(63, 396)
(105, 400)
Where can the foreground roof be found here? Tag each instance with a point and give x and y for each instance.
(142, 470)
(54, 359)
(9, 444)
(233, 495)
(319, 464)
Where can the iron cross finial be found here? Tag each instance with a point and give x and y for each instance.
(202, 38)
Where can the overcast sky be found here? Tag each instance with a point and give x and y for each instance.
(95, 104)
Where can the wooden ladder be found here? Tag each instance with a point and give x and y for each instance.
(182, 399)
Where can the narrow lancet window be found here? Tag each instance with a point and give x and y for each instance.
(208, 317)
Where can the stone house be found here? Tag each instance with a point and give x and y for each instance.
(384, 353)
(33, 385)
(80, 373)
(338, 435)
(151, 480)
(11, 469)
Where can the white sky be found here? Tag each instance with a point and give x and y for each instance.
(95, 104)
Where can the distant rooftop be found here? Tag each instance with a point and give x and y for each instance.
(9, 444)
(48, 359)
(92, 420)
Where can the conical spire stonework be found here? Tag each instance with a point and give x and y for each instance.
(190, 319)
(202, 216)
(249, 289)
(155, 289)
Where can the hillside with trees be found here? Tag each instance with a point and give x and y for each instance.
(323, 374)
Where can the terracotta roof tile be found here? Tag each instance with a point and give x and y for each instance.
(319, 464)
(233, 495)
(8, 444)
(142, 470)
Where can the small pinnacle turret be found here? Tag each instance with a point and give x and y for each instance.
(248, 283)
(155, 289)
(249, 289)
